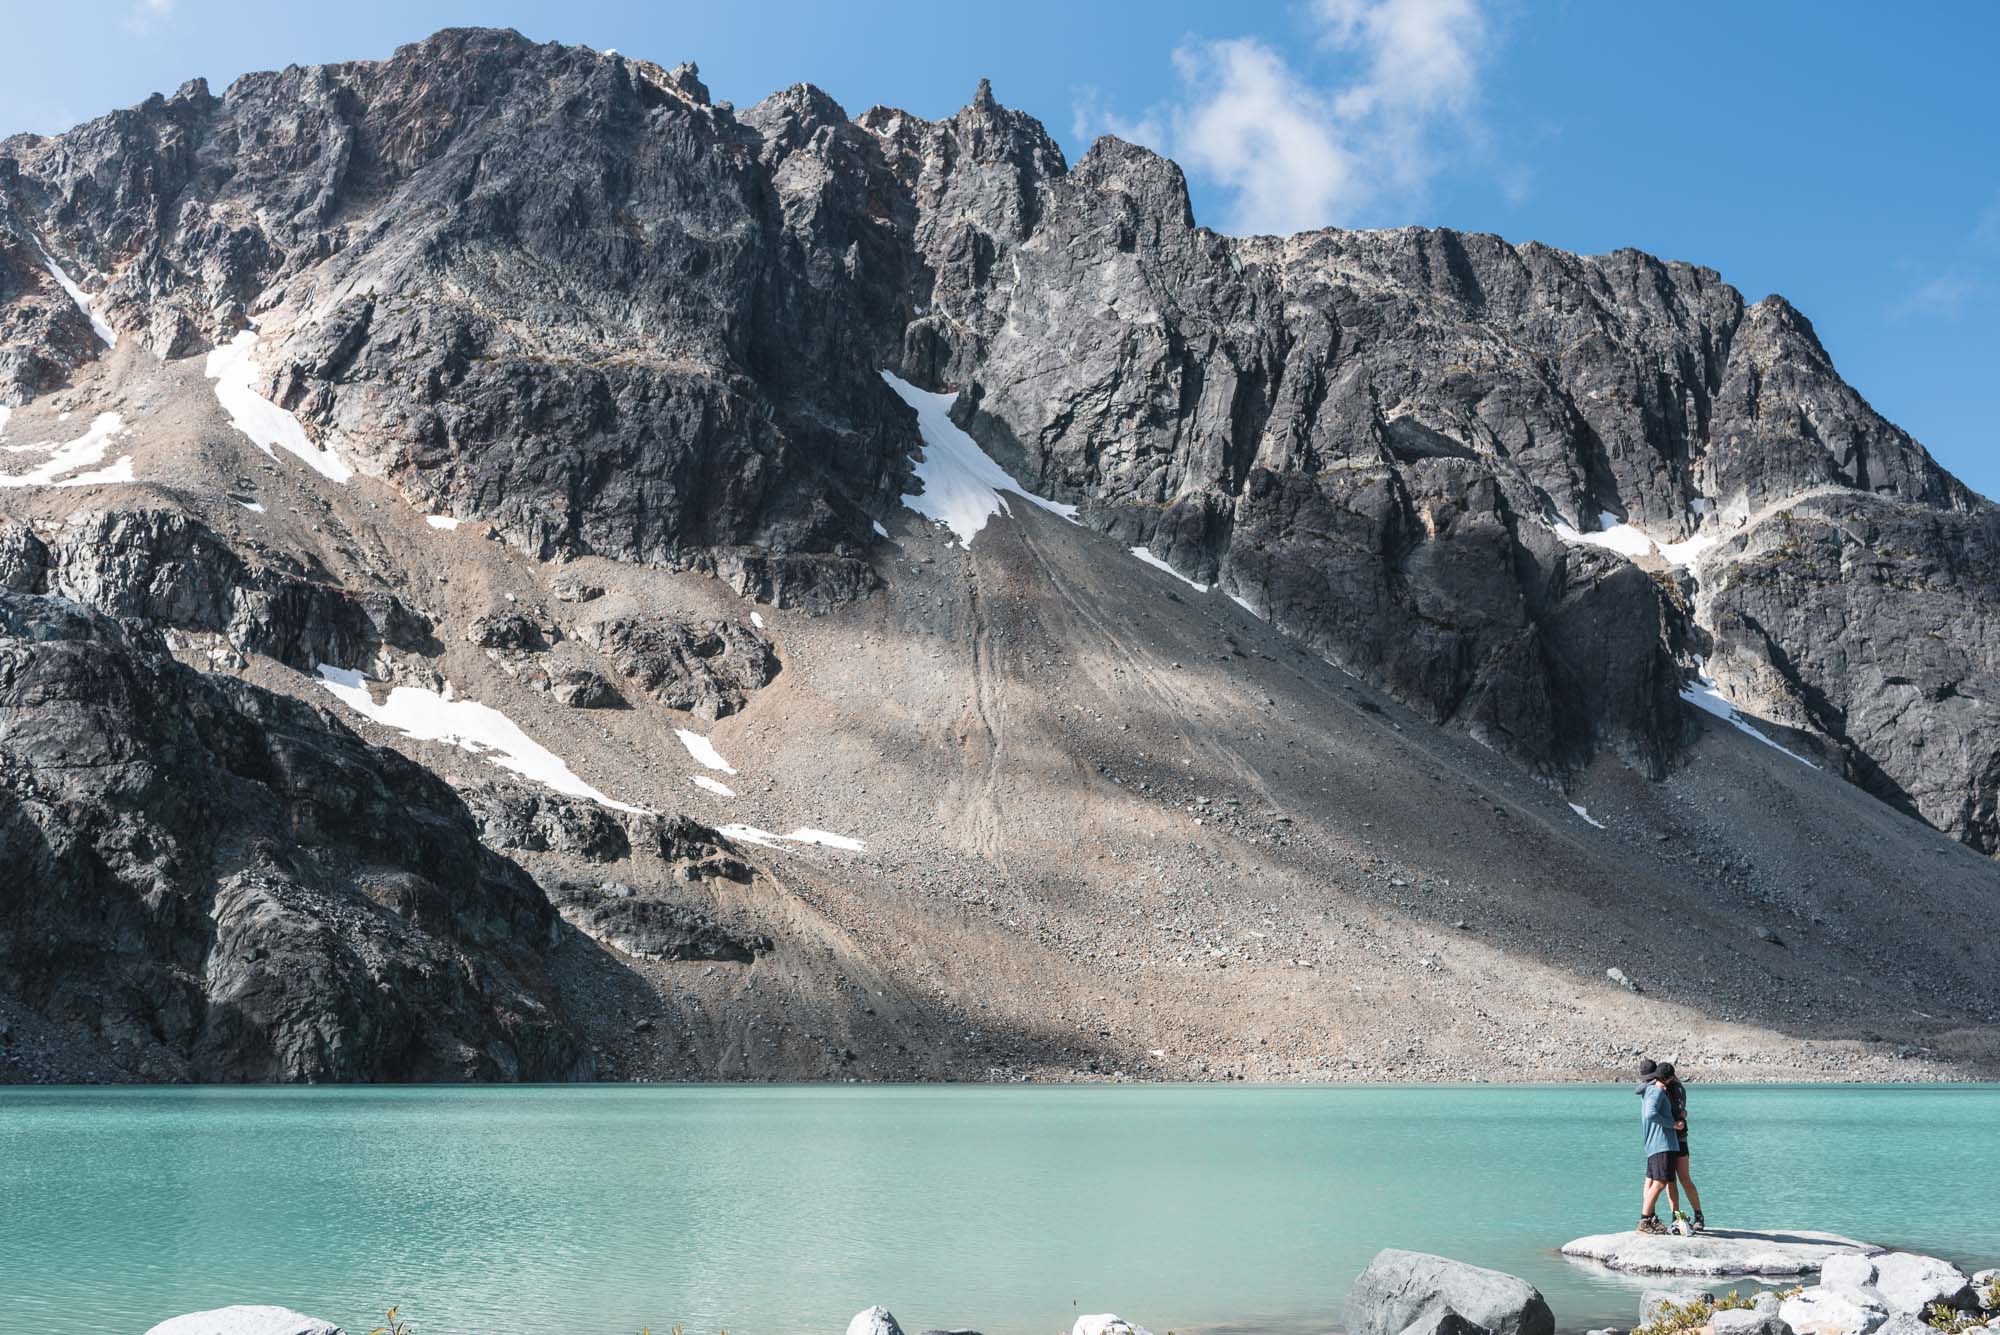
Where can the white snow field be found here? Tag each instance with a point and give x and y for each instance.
(962, 483)
(1158, 564)
(232, 366)
(703, 751)
(427, 716)
(60, 469)
(1705, 695)
(1618, 536)
(750, 834)
(76, 294)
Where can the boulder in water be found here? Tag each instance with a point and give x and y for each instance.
(1821, 1310)
(1912, 1283)
(1717, 1252)
(1399, 1289)
(1106, 1324)
(876, 1320)
(246, 1320)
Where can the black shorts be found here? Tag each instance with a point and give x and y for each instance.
(1684, 1147)
(1660, 1167)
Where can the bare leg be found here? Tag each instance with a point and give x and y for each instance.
(1673, 1198)
(1653, 1190)
(1687, 1181)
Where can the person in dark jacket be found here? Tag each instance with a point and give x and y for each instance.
(1684, 1179)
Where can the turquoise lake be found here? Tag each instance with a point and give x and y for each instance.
(602, 1210)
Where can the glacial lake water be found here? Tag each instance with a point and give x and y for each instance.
(784, 1210)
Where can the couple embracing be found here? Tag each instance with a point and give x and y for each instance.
(1663, 1115)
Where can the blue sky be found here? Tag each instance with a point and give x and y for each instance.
(1846, 155)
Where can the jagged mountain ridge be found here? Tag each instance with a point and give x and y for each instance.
(566, 295)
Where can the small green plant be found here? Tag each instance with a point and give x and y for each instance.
(1672, 1318)
(394, 1326)
(1944, 1317)
(1991, 1298)
(1733, 1301)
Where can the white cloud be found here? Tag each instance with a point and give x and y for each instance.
(1297, 153)
(146, 14)
(1943, 295)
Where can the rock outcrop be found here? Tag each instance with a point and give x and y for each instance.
(1399, 1289)
(568, 293)
(1721, 1251)
(218, 883)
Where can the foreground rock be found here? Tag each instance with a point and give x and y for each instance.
(1717, 1252)
(1400, 1290)
(246, 1321)
(1105, 1323)
(209, 881)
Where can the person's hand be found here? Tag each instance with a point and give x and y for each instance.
(1680, 1126)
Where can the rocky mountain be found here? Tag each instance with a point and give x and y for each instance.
(1579, 512)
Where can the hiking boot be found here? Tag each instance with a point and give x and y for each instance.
(1699, 1222)
(1648, 1224)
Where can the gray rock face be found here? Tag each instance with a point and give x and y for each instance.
(1400, 1289)
(646, 926)
(162, 567)
(707, 669)
(1827, 1311)
(1912, 1283)
(219, 883)
(1848, 1270)
(650, 328)
(1747, 1321)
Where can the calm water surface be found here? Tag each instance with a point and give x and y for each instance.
(599, 1210)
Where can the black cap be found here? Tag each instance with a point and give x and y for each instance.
(1664, 1072)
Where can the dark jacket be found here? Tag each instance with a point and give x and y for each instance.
(1677, 1092)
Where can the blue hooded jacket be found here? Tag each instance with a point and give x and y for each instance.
(1656, 1115)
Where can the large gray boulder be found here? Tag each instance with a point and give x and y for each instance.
(1747, 1321)
(1912, 1282)
(1825, 1311)
(1399, 1288)
(876, 1320)
(1848, 1270)
(246, 1320)
(1105, 1323)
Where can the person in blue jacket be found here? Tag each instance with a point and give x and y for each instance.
(1663, 1143)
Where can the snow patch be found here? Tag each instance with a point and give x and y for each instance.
(445, 522)
(82, 453)
(703, 751)
(880, 532)
(1614, 534)
(1586, 816)
(757, 620)
(254, 507)
(750, 834)
(5, 413)
(1247, 606)
(1158, 564)
(233, 366)
(427, 716)
(708, 785)
(962, 483)
(1706, 696)
(76, 294)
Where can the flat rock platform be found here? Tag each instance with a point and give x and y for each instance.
(1775, 1252)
